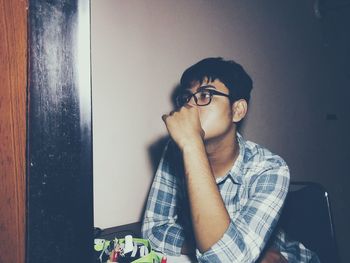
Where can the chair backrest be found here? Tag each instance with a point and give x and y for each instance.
(307, 218)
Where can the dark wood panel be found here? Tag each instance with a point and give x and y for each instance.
(13, 55)
(60, 190)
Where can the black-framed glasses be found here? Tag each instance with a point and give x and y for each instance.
(202, 97)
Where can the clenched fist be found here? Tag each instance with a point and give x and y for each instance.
(184, 126)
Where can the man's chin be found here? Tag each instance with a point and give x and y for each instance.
(209, 139)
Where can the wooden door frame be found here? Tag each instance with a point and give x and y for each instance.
(13, 82)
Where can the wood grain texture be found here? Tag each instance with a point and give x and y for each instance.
(13, 74)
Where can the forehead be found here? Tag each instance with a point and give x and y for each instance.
(217, 84)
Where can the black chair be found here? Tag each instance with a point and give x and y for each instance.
(306, 217)
(133, 229)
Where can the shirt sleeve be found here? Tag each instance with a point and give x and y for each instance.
(252, 225)
(293, 251)
(160, 219)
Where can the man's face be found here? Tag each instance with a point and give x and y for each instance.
(217, 117)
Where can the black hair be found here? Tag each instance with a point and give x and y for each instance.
(228, 72)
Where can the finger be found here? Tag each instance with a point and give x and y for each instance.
(187, 106)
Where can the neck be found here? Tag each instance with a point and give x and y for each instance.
(222, 153)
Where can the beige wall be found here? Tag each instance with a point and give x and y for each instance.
(139, 50)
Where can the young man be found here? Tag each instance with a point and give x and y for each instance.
(215, 194)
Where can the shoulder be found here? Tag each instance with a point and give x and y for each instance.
(262, 165)
(258, 155)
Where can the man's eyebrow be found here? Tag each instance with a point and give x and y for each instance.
(201, 87)
(206, 87)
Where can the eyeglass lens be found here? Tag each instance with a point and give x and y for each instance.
(201, 98)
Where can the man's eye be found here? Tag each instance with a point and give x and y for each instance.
(204, 95)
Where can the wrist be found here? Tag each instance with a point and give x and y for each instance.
(192, 145)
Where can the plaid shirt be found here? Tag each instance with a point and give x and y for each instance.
(253, 192)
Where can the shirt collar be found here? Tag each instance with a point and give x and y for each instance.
(236, 171)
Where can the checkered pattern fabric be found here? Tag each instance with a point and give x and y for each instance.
(253, 192)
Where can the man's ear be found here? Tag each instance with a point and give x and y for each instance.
(239, 109)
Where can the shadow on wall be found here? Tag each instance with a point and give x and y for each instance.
(156, 148)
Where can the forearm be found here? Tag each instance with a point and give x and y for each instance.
(210, 218)
(167, 238)
(160, 224)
